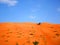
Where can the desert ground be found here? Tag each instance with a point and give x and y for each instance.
(29, 33)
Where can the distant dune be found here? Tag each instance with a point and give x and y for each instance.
(28, 33)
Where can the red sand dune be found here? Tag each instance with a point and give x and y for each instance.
(29, 34)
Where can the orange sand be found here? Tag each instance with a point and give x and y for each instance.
(29, 34)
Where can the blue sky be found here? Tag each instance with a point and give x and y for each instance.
(30, 11)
